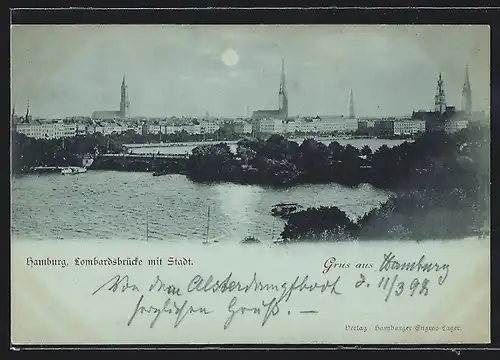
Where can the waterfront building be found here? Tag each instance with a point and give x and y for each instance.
(90, 129)
(113, 114)
(444, 117)
(408, 127)
(351, 125)
(455, 125)
(291, 126)
(69, 130)
(384, 127)
(196, 129)
(243, 128)
(170, 129)
(108, 128)
(99, 128)
(309, 125)
(271, 126)
(46, 130)
(450, 121)
(366, 126)
(329, 124)
(154, 129)
(189, 128)
(81, 129)
(33, 130)
(137, 129)
(282, 111)
(208, 127)
(193, 128)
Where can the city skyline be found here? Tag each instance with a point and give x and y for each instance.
(222, 70)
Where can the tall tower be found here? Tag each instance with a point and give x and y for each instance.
(124, 103)
(13, 117)
(283, 97)
(351, 106)
(27, 117)
(439, 98)
(467, 94)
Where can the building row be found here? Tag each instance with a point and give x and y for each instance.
(316, 125)
(405, 127)
(419, 122)
(59, 129)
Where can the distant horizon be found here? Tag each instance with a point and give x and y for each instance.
(137, 117)
(186, 71)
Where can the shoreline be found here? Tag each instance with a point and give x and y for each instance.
(236, 242)
(210, 182)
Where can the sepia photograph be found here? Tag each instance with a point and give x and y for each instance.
(236, 164)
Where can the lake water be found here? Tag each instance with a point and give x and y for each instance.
(126, 205)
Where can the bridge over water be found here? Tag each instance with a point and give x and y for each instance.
(175, 144)
(145, 156)
(193, 144)
(166, 163)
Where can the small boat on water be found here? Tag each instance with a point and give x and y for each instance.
(73, 170)
(160, 173)
(250, 240)
(285, 209)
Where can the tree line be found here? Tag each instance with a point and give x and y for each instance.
(29, 152)
(440, 182)
(432, 159)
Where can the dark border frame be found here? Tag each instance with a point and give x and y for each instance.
(330, 15)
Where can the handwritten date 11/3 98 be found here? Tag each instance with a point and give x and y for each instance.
(393, 285)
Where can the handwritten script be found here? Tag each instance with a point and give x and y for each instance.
(202, 296)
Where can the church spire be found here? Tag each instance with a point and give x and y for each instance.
(282, 83)
(26, 117)
(13, 117)
(467, 94)
(467, 82)
(440, 98)
(283, 98)
(124, 102)
(351, 105)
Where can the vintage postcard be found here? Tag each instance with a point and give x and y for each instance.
(250, 184)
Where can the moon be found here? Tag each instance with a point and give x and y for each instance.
(230, 57)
